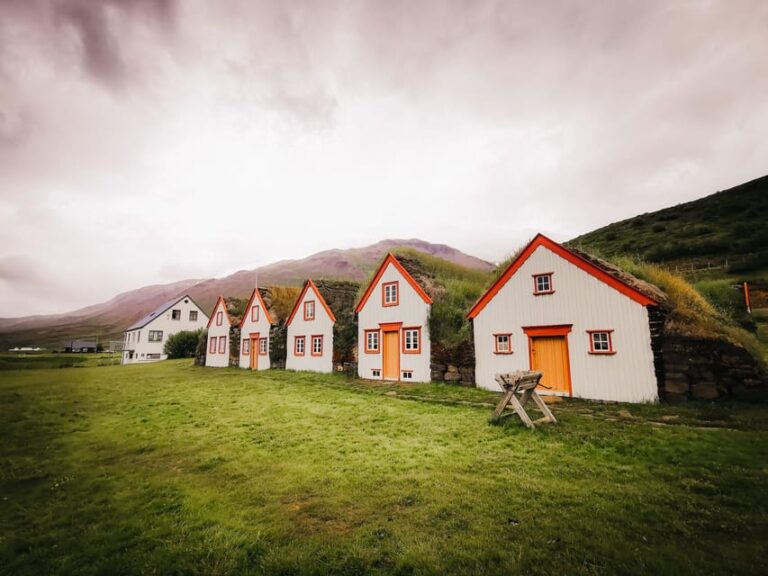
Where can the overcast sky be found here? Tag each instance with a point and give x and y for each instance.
(147, 141)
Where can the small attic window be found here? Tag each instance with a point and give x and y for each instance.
(186, 301)
(542, 283)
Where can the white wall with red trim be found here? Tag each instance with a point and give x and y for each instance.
(218, 328)
(585, 302)
(321, 326)
(411, 310)
(249, 326)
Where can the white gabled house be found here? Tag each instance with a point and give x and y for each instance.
(144, 341)
(583, 324)
(254, 334)
(219, 327)
(393, 326)
(309, 343)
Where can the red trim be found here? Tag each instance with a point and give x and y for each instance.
(544, 331)
(296, 345)
(212, 345)
(266, 346)
(417, 350)
(213, 312)
(576, 260)
(390, 259)
(536, 291)
(556, 330)
(219, 318)
(257, 310)
(306, 316)
(255, 295)
(222, 344)
(390, 326)
(246, 346)
(496, 343)
(307, 285)
(384, 302)
(376, 350)
(312, 342)
(747, 299)
(610, 342)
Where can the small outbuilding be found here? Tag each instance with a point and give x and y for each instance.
(310, 332)
(589, 327)
(254, 334)
(81, 346)
(219, 327)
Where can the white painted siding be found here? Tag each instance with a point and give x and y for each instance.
(138, 340)
(322, 325)
(249, 327)
(585, 302)
(216, 359)
(412, 311)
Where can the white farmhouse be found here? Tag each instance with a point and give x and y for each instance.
(583, 324)
(393, 331)
(144, 340)
(219, 326)
(254, 334)
(310, 332)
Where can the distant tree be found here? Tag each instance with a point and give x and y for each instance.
(182, 344)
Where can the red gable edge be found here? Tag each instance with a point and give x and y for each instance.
(307, 285)
(213, 312)
(390, 259)
(247, 312)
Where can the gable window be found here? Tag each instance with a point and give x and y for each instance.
(600, 342)
(390, 294)
(309, 310)
(246, 347)
(542, 283)
(175, 314)
(255, 314)
(193, 315)
(212, 345)
(372, 341)
(317, 345)
(155, 335)
(298, 345)
(502, 343)
(263, 346)
(219, 318)
(222, 344)
(411, 340)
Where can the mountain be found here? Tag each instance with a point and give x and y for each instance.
(725, 227)
(107, 320)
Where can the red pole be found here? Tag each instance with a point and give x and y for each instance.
(746, 298)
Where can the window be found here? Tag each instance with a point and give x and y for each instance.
(542, 283)
(407, 375)
(502, 343)
(246, 347)
(193, 315)
(155, 335)
(298, 345)
(390, 296)
(317, 345)
(175, 314)
(309, 310)
(263, 346)
(411, 340)
(212, 345)
(600, 342)
(222, 344)
(219, 318)
(153, 356)
(376, 373)
(255, 314)
(372, 341)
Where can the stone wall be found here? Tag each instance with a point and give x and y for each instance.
(710, 370)
(453, 364)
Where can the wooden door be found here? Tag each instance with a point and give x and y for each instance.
(549, 355)
(254, 353)
(391, 352)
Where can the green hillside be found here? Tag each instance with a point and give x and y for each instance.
(726, 231)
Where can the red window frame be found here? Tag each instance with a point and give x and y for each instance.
(416, 350)
(312, 342)
(384, 302)
(592, 350)
(378, 342)
(219, 318)
(222, 344)
(536, 277)
(496, 343)
(212, 345)
(307, 316)
(263, 346)
(255, 313)
(246, 346)
(296, 345)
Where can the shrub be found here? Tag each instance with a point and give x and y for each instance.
(182, 344)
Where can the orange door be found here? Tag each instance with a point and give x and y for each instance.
(549, 355)
(254, 353)
(391, 351)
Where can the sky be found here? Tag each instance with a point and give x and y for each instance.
(149, 141)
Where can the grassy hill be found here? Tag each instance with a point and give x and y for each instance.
(726, 226)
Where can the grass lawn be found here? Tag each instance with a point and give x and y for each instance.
(170, 468)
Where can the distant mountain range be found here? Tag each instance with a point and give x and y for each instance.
(107, 320)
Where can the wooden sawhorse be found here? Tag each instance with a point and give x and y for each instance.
(522, 383)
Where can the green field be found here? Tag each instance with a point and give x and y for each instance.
(170, 468)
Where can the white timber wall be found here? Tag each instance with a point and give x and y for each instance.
(261, 326)
(146, 351)
(585, 302)
(216, 330)
(322, 325)
(412, 311)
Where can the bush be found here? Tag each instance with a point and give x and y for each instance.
(182, 344)
(724, 297)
